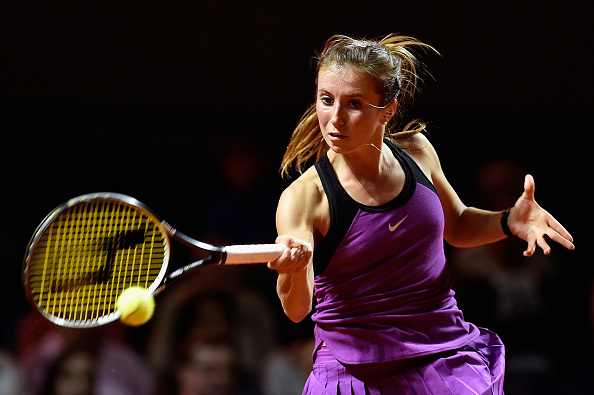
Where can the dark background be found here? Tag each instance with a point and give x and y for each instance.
(145, 98)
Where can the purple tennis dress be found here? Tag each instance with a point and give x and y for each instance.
(386, 321)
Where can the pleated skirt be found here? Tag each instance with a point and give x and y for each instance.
(476, 369)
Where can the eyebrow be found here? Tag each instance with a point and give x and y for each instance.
(356, 95)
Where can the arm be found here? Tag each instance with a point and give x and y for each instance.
(296, 224)
(468, 226)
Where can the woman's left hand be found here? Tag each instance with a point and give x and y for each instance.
(531, 223)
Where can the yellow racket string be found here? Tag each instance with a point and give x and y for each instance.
(89, 255)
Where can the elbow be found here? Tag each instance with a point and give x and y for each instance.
(454, 231)
(298, 314)
(452, 240)
(455, 241)
(459, 240)
(296, 296)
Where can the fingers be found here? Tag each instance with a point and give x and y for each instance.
(558, 232)
(531, 249)
(566, 242)
(563, 238)
(300, 254)
(542, 243)
(295, 259)
(291, 242)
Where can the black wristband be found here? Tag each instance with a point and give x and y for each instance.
(504, 225)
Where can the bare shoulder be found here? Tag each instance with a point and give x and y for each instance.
(417, 145)
(422, 151)
(306, 188)
(304, 204)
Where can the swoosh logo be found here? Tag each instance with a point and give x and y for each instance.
(393, 228)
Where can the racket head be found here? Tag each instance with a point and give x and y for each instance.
(87, 251)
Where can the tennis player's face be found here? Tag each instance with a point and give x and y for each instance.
(344, 107)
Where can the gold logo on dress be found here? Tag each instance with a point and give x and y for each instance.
(393, 228)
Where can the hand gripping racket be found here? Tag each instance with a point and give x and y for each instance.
(90, 249)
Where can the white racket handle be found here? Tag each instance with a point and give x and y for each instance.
(253, 253)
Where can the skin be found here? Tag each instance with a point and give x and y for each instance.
(353, 129)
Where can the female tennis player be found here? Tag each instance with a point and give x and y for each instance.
(366, 226)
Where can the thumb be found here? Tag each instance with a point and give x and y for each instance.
(529, 187)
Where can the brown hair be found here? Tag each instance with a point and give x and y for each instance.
(389, 61)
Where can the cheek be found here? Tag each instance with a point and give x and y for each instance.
(323, 117)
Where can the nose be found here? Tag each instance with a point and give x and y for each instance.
(337, 116)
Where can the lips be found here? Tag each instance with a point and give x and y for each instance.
(336, 136)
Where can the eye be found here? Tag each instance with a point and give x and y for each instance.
(326, 100)
(355, 104)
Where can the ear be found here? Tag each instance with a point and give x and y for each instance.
(390, 111)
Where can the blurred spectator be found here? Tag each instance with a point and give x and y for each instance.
(72, 374)
(12, 381)
(208, 334)
(287, 367)
(208, 365)
(99, 361)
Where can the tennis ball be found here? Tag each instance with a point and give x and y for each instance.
(136, 306)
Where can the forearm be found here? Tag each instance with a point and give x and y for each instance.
(297, 219)
(474, 227)
(295, 292)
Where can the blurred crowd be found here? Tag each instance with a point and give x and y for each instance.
(221, 331)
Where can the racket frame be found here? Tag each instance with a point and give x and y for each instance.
(217, 254)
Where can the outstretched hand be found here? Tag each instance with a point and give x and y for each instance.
(531, 223)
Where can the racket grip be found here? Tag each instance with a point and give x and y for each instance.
(253, 253)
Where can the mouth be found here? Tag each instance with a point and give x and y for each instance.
(336, 136)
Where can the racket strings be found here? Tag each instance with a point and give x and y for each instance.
(89, 254)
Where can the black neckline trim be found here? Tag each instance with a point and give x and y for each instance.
(399, 200)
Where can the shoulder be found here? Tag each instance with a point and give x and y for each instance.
(304, 198)
(416, 145)
(422, 151)
(307, 187)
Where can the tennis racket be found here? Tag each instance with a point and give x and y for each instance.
(87, 251)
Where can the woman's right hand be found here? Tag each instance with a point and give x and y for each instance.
(295, 259)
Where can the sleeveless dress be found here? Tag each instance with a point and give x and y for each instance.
(386, 320)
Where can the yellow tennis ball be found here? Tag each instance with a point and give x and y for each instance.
(136, 306)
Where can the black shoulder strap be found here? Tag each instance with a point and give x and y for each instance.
(419, 175)
(342, 211)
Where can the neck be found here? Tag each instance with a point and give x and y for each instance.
(364, 145)
(365, 161)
